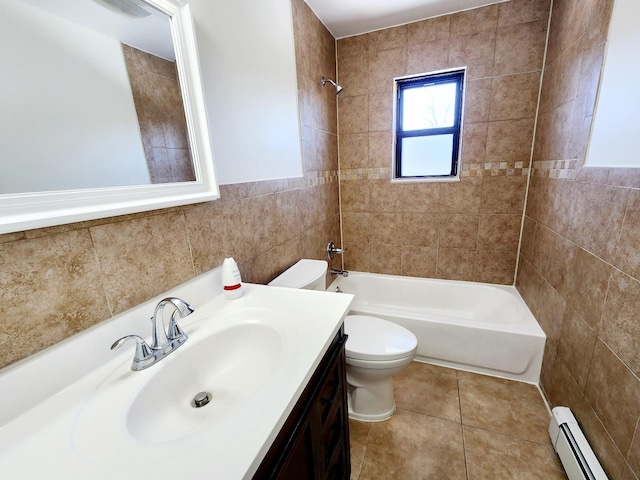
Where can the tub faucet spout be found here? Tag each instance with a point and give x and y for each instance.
(342, 273)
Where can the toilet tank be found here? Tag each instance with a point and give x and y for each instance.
(306, 274)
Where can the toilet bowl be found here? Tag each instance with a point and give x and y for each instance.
(376, 349)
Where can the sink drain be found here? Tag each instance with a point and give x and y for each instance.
(201, 399)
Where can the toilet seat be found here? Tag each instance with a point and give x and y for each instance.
(375, 339)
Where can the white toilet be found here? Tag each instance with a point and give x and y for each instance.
(376, 348)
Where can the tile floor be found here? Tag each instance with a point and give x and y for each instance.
(456, 425)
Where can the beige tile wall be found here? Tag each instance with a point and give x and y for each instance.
(467, 230)
(580, 251)
(58, 281)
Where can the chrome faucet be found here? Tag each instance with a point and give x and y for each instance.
(342, 273)
(163, 339)
(332, 250)
(163, 342)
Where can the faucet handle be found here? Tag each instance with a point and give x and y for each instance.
(174, 332)
(142, 354)
(333, 250)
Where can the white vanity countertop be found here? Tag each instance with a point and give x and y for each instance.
(46, 433)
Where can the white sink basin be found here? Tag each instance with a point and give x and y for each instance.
(230, 356)
(230, 365)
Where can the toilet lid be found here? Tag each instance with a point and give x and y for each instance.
(372, 338)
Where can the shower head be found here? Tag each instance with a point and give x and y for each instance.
(335, 85)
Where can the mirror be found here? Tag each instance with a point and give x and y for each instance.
(100, 163)
(613, 141)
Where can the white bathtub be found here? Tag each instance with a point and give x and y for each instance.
(470, 326)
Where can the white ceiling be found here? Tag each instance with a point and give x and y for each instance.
(345, 18)
(151, 34)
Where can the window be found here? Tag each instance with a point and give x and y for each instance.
(428, 125)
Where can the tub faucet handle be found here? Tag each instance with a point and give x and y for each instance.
(332, 250)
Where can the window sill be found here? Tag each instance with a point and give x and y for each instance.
(426, 180)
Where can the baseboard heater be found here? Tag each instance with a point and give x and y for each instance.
(576, 455)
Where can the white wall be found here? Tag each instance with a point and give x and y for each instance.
(614, 135)
(67, 116)
(247, 60)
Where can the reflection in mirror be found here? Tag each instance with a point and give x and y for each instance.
(81, 76)
(91, 97)
(160, 112)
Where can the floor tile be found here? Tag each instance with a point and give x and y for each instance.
(428, 389)
(358, 439)
(504, 423)
(493, 456)
(414, 446)
(503, 406)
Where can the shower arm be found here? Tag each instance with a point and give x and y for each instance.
(335, 85)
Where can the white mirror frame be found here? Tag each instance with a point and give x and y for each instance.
(26, 211)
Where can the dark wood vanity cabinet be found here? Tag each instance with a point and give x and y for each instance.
(314, 441)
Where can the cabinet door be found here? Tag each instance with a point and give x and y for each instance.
(299, 464)
(314, 442)
(332, 438)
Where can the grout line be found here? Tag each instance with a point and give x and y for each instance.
(189, 242)
(100, 270)
(464, 448)
(511, 437)
(364, 454)
(533, 144)
(459, 399)
(633, 439)
(342, 245)
(405, 409)
(617, 357)
(544, 398)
